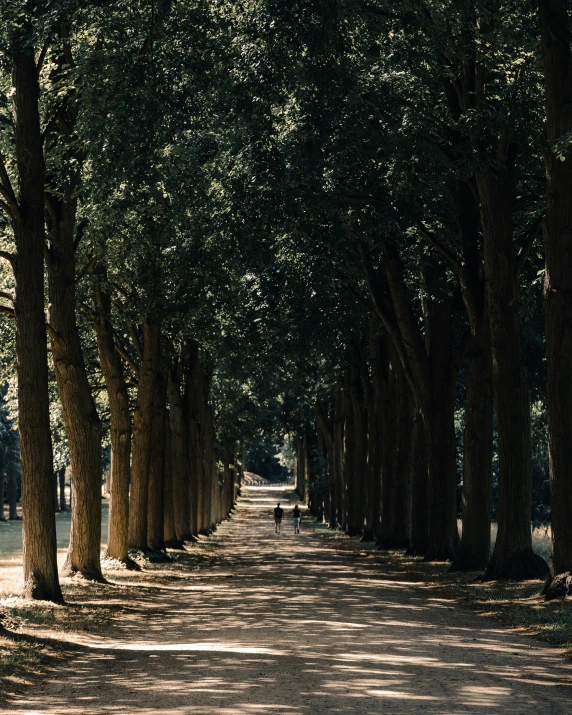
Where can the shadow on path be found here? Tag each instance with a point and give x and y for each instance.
(288, 624)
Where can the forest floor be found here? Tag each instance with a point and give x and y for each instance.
(249, 622)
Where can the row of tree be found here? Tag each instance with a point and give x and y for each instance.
(422, 186)
(255, 218)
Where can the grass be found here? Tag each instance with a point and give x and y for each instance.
(516, 604)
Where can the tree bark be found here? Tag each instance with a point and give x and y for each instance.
(327, 434)
(557, 57)
(156, 485)
(513, 556)
(353, 523)
(361, 466)
(142, 432)
(419, 532)
(119, 423)
(83, 427)
(169, 533)
(338, 434)
(389, 456)
(180, 457)
(39, 528)
(474, 551)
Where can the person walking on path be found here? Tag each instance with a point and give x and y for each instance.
(278, 514)
(296, 514)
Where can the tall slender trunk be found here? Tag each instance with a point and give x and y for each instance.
(475, 545)
(39, 528)
(119, 424)
(351, 516)
(379, 386)
(326, 431)
(180, 457)
(169, 533)
(418, 528)
(389, 456)
(474, 550)
(208, 466)
(513, 556)
(339, 453)
(142, 433)
(557, 56)
(361, 467)
(437, 403)
(190, 405)
(83, 427)
(155, 504)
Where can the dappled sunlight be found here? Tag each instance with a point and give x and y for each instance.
(288, 623)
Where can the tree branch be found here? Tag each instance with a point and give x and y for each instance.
(443, 250)
(10, 257)
(125, 355)
(136, 341)
(7, 311)
(10, 205)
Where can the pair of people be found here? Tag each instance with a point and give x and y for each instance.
(279, 513)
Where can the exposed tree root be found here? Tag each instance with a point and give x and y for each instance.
(558, 586)
(522, 566)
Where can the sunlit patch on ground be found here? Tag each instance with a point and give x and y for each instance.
(249, 622)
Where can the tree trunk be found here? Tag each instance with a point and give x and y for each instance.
(474, 551)
(301, 470)
(557, 56)
(119, 423)
(352, 523)
(338, 434)
(156, 486)
(169, 533)
(419, 491)
(39, 527)
(513, 556)
(180, 457)
(83, 427)
(191, 414)
(327, 435)
(437, 405)
(206, 464)
(389, 456)
(142, 432)
(361, 467)
(379, 388)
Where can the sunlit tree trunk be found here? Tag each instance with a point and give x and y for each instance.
(39, 528)
(119, 423)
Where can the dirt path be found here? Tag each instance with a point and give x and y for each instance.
(288, 625)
